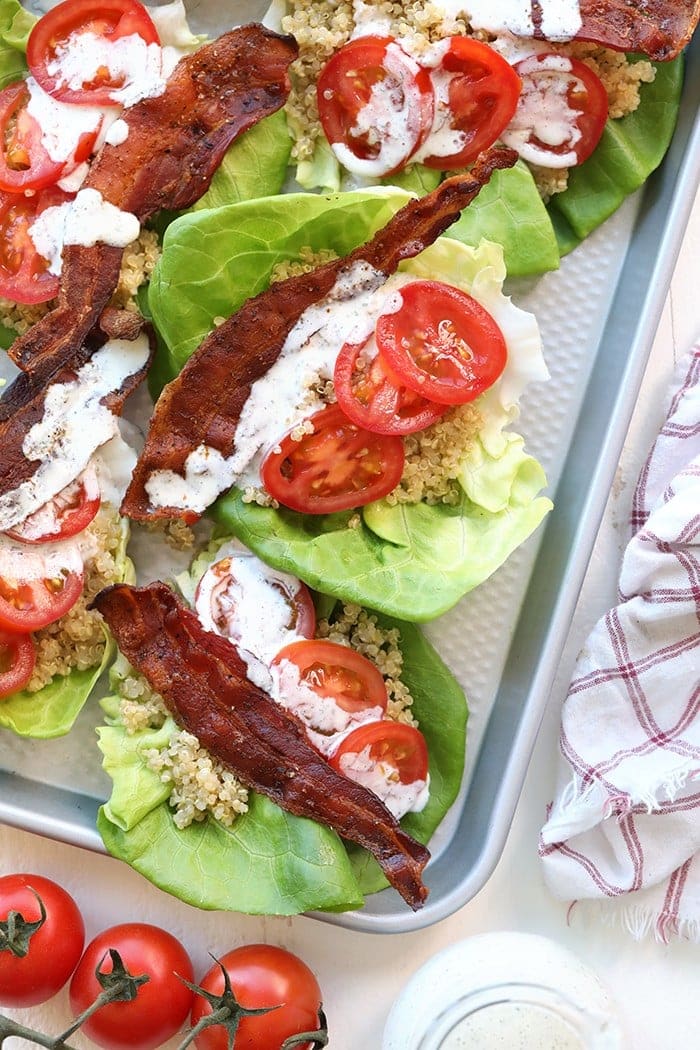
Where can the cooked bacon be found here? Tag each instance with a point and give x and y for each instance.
(203, 682)
(203, 404)
(657, 28)
(22, 405)
(175, 144)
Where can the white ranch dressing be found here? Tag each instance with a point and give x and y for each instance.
(561, 19)
(74, 424)
(129, 58)
(286, 394)
(62, 124)
(46, 561)
(237, 598)
(88, 220)
(383, 781)
(544, 113)
(444, 140)
(118, 133)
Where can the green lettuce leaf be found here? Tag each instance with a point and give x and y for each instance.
(15, 26)
(254, 166)
(270, 862)
(50, 712)
(412, 562)
(630, 149)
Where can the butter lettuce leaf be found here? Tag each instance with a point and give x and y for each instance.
(268, 861)
(15, 27)
(413, 562)
(51, 711)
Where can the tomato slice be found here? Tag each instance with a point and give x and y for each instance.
(369, 396)
(337, 467)
(17, 660)
(67, 514)
(24, 274)
(67, 34)
(375, 104)
(24, 162)
(476, 94)
(442, 343)
(28, 605)
(339, 672)
(395, 749)
(561, 112)
(238, 590)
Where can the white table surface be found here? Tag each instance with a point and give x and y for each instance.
(655, 986)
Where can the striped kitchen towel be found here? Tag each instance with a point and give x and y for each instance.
(624, 827)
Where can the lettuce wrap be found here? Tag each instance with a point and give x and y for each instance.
(51, 711)
(268, 861)
(411, 561)
(510, 211)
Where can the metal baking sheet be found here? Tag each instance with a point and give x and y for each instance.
(598, 315)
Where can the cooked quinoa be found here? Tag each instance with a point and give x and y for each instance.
(200, 785)
(322, 28)
(137, 265)
(77, 640)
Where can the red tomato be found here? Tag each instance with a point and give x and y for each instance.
(60, 29)
(337, 671)
(24, 274)
(161, 1004)
(17, 660)
(561, 112)
(398, 747)
(67, 514)
(24, 162)
(375, 105)
(442, 343)
(53, 949)
(337, 467)
(222, 588)
(369, 396)
(262, 975)
(28, 605)
(476, 103)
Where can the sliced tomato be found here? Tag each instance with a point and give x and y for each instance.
(28, 605)
(57, 35)
(339, 672)
(24, 162)
(66, 515)
(476, 93)
(442, 343)
(369, 396)
(17, 660)
(24, 274)
(337, 467)
(375, 104)
(397, 750)
(221, 597)
(561, 112)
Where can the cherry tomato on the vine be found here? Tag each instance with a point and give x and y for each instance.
(262, 975)
(161, 1004)
(53, 949)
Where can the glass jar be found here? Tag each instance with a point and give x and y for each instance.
(503, 991)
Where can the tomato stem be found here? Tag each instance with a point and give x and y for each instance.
(10, 1029)
(226, 1010)
(118, 986)
(16, 932)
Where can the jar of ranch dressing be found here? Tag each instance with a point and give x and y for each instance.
(503, 991)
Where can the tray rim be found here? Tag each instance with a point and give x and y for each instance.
(666, 200)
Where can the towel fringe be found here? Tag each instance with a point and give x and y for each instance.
(640, 921)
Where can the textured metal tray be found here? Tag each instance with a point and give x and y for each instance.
(599, 314)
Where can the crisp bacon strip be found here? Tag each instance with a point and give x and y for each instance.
(203, 682)
(23, 405)
(204, 403)
(175, 144)
(657, 28)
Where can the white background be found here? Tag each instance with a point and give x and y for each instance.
(655, 986)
